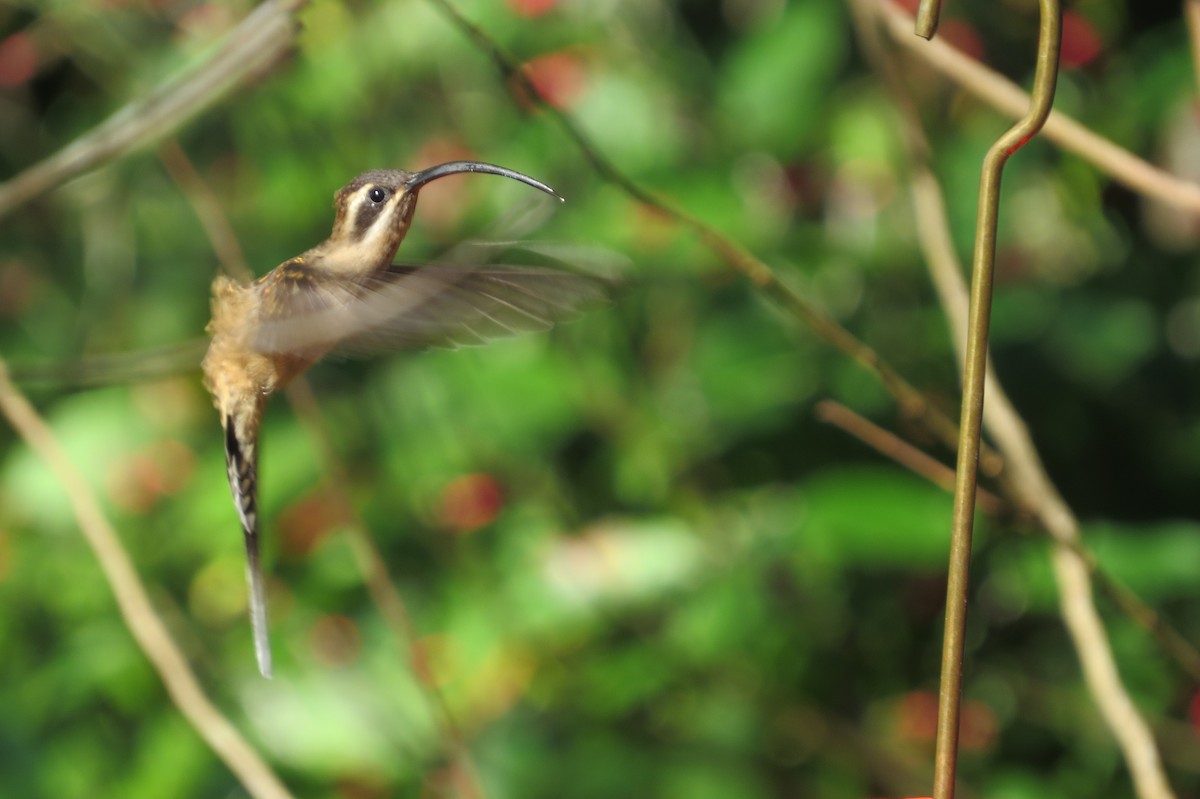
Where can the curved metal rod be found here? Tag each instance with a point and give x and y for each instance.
(929, 12)
(957, 579)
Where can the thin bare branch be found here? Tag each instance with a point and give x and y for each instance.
(1191, 12)
(250, 49)
(1124, 167)
(1095, 653)
(134, 604)
(374, 571)
(897, 449)
(912, 402)
(888, 444)
(208, 210)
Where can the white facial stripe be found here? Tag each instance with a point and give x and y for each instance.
(368, 230)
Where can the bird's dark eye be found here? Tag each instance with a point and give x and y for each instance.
(377, 195)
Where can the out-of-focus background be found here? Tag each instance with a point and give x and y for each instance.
(635, 561)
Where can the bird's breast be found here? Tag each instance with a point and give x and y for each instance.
(236, 371)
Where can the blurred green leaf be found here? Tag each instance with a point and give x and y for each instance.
(874, 516)
(771, 92)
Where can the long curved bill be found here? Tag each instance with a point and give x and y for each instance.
(419, 179)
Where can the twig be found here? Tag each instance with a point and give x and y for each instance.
(1191, 12)
(1095, 654)
(249, 50)
(912, 402)
(139, 615)
(888, 444)
(208, 210)
(1172, 642)
(1124, 167)
(373, 568)
(892, 446)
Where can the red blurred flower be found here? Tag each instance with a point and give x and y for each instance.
(917, 720)
(433, 658)
(963, 37)
(558, 78)
(335, 641)
(18, 59)
(532, 8)
(917, 716)
(442, 201)
(471, 501)
(1080, 41)
(138, 480)
(304, 524)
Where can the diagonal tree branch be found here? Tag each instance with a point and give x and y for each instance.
(136, 610)
(1124, 167)
(250, 49)
(900, 451)
(387, 599)
(1191, 13)
(911, 401)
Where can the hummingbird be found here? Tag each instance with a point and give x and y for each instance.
(346, 295)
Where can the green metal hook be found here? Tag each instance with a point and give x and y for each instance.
(983, 268)
(929, 13)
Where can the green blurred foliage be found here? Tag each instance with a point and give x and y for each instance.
(636, 562)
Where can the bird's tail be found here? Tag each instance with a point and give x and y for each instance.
(241, 460)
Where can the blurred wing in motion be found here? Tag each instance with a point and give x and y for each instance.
(111, 369)
(408, 307)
